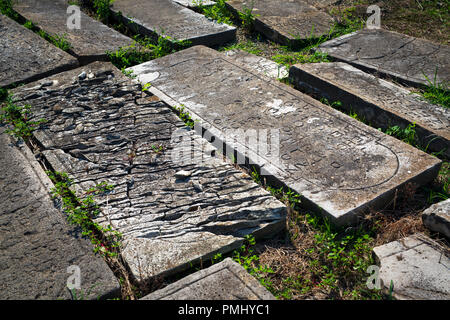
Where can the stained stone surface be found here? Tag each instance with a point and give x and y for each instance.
(380, 102)
(194, 3)
(90, 42)
(334, 161)
(286, 21)
(260, 64)
(437, 218)
(36, 244)
(402, 57)
(226, 280)
(104, 129)
(171, 19)
(418, 267)
(25, 56)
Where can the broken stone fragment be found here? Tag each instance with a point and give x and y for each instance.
(183, 174)
(437, 218)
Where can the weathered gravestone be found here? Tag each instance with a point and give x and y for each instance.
(226, 280)
(407, 59)
(286, 21)
(164, 17)
(174, 204)
(417, 266)
(39, 253)
(25, 56)
(90, 42)
(334, 161)
(380, 102)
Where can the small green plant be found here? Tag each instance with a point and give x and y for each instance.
(437, 93)
(247, 17)
(218, 12)
(18, 118)
(407, 134)
(102, 9)
(6, 8)
(185, 116)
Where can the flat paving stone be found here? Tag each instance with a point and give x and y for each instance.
(396, 55)
(174, 203)
(165, 17)
(417, 266)
(268, 67)
(334, 161)
(25, 56)
(226, 280)
(437, 218)
(36, 244)
(380, 102)
(286, 21)
(90, 42)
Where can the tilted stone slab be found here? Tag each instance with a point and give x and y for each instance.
(36, 244)
(380, 102)
(417, 266)
(260, 64)
(334, 161)
(90, 42)
(286, 21)
(437, 218)
(402, 57)
(25, 56)
(226, 280)
(173, 202)
(165, 17)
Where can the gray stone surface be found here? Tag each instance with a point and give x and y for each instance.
(418, 267)
(380, 102)
(397, 55)
(268, 67)
(437, 218)
(194, 3)
(36, 244)
(90, 42)
(286, 21)
(25, 56)
(105, 129)
(334, 161)
(226, 280)
(171, 19)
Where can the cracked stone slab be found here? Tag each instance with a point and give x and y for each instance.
(267, 67)
(36, 244)
(165, 17)
(104, 128)
(25, 56)
(334, 161)
(226, 280)
(437, 217)
(418, 267)
(286, 21)
(90, 42)
(381, 102)
(396, 55)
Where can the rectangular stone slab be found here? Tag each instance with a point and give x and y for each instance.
(226, 280)
(36, 244)
(25, 56)
(90, 42)
(175, 204)
(334, 161)
(164, 17)
(380, 102)
(286, 21)
(402, 57)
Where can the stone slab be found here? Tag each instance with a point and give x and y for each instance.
(90, 42)
(36, 244)
(25, 56)
(267, 67)
(334, 161)
(418, 267)
(103, 128)
(437, 217)
(194, 3)
(380, 102)
(404, 58)
(226, 280)
(165, 17)
(286, 21)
